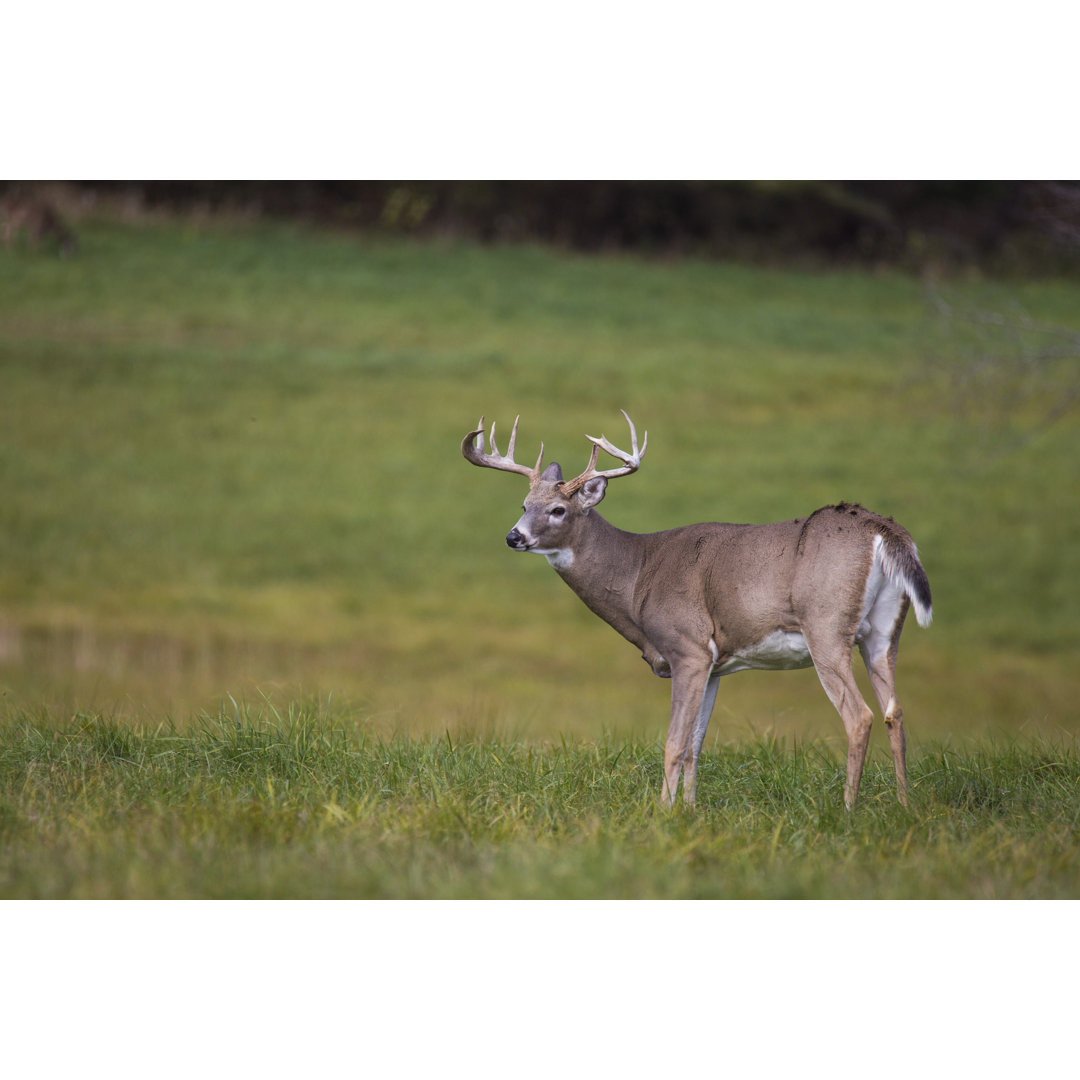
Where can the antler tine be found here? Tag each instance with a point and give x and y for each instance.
(631, 461)
(472, 447)
(590, 469)
(495, 449)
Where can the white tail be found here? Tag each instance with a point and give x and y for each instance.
(707, 600)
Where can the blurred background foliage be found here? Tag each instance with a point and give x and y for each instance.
(231, 413)
(995, 224)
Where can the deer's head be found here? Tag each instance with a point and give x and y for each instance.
(554, 508)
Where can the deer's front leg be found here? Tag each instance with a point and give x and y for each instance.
(693, 691)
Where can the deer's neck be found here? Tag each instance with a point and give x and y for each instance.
(602, 567)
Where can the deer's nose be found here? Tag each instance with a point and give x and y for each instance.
(515, 539)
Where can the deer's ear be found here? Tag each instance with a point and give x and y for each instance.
(552, 472)
(592, 492)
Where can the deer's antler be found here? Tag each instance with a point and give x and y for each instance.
(473, 449)
(631, 461)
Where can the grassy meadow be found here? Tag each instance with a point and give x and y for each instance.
(260, 634)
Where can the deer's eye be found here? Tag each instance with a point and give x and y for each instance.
(557, 511)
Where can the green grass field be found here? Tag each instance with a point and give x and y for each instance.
(256, 802)
(230, 470)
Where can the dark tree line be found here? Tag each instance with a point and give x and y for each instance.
(877, 222)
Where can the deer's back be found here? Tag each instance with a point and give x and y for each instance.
(756, 578)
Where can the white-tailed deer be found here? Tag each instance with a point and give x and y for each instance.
(707, 600)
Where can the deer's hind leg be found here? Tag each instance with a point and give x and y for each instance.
(879, 651)
(832, 660)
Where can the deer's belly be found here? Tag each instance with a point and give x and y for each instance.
(781, 650)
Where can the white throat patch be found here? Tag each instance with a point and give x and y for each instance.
(559, 558)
